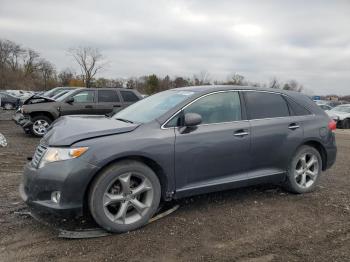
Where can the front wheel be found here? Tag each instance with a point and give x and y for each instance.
(9, 106)
(40, 125)
(124, 196)
(304, 170)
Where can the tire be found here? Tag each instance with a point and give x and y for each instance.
(302, 177)
(40, 125)
(8, 106)
(114, 202)
(346, 123)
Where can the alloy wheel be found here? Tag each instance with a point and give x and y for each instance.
(8, 106)
(40, 127)
(306, 170)
(128, 198)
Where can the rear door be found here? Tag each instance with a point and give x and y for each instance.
(108, 101)
(275, 133)
(84, 103)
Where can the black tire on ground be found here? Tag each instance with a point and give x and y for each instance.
(39, 118)
(292, 184)
(108, 177)
(346, 123)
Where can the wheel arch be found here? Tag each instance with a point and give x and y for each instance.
(320, 148)
(43, 113)
(157, 169)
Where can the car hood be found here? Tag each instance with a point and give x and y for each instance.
(67, 130)
(36, 99)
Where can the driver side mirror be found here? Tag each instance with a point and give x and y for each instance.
(70, 100)
(192, 119)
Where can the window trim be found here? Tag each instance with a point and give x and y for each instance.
(243, 104)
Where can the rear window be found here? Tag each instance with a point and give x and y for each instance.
(265, 105)
(108, 96)
(129, 96)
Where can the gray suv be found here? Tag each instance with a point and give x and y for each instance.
(37, 114)
(175, 144)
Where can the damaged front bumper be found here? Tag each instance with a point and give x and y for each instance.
(22, 120)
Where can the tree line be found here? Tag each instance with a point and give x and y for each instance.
(25, 69)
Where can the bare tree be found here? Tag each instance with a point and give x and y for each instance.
(31, 62)
(47, 70)
(274, 83)
(203, 78)
(65, 76)
(293, 85)
(90, 61)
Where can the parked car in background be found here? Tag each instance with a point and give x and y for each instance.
(174, 144)
(8, 101)
(37, 114)
(341, 114)
(325, 107)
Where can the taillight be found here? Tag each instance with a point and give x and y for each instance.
(332, 125)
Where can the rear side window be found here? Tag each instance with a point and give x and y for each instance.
(296, 109)
(108, 96)
(129, 96)
(265, 105)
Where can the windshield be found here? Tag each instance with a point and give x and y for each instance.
(60, 94)
(344, 109)
(153, 107)
(63, 97)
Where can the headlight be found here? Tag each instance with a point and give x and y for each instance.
(54, 154)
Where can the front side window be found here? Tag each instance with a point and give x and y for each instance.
(84, 97)
(265, 105)
(129, 96)
(217, 108)
(107, 96)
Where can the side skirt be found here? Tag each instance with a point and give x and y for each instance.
(231, 182)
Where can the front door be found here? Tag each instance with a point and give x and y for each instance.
(84, 103)
(218, 150)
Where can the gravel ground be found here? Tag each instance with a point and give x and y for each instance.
(252, 224)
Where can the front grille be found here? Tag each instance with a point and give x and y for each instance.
(39, 152)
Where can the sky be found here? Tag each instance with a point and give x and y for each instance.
(308, 41)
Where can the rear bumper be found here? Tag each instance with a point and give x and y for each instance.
(331, 157)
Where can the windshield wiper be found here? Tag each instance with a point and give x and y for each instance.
(125, 120)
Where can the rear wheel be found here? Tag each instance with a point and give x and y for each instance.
(304, 170)
(124, 196)
(346, 123)
(40, 125)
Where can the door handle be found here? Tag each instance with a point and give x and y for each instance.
(88, 106)
(116, 105)
(241, 133)
(293, 126)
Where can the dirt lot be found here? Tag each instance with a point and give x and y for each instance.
(252, 224)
